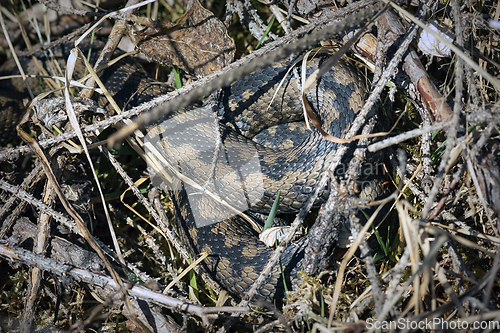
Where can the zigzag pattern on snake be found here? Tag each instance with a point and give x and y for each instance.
(249, 113)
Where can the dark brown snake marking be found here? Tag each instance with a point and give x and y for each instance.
(236, 255)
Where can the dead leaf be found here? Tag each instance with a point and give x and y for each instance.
(198, 43)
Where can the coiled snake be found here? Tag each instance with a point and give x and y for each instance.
(222, 151)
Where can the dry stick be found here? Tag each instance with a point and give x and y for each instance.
(425, 148)
(457, 177)
(11, 153)
(35, 260)
(380, 55)
(318, 236)
(26, 197)
(118, 15)
(268, 327)
(52, 180)
(471, 157)
(69, 208)
(253, 62)
(483, 139)
(480, 193)
(51, 4)
(398, 273)
(43, 231)
(462, 228)
(49, 81)
(408, 135)
(409, 182)
(163, 223)
(459, 269)
(16, 59)
(448, 289)
(347, 258)
(318, 73)
(371, 270)
(104, 57)
(452, 130)
(275, 9)
(28, 182)
(284, 242)
(256, 26)
(152, 212)
(19, 193)
(462, 270)
(178, 245)
(59, 41)
(491, 282)
(473, 91)
(352, 174)
(75, 124)
(40, 244)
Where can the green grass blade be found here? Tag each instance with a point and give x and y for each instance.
(269, 26)
(177, 77)
(272, 213)
(192, 282)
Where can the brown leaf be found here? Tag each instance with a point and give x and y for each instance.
(198, 43)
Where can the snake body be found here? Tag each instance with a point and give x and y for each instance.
(265, 101)
(247, 113)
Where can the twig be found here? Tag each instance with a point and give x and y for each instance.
(39, 247)
(456, 179)
(408, 135)
(64, 39)
(25, 196)
(28, 182)
(454, 126)
(255, 25)
(51, 4)
(377, 294)
(144, 107)
(34, 260)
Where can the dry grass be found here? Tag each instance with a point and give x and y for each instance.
(436, 258)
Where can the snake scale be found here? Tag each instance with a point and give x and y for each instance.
(248, 114)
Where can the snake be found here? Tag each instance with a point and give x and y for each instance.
(228, 160)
